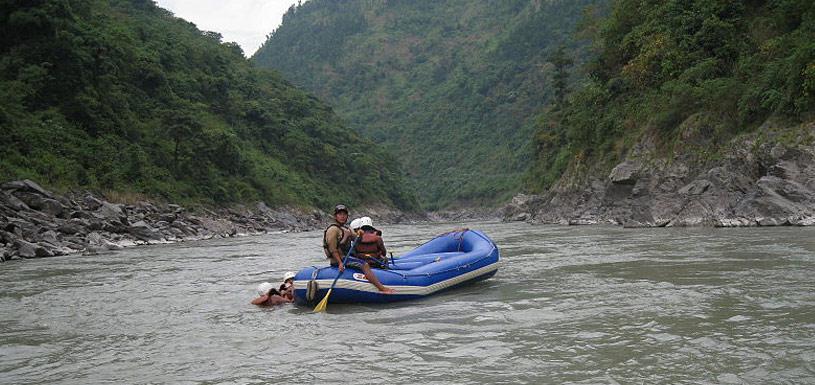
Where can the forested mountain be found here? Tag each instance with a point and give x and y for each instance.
(693, 113)
(448, 87)
(123, 96)
(686, 77)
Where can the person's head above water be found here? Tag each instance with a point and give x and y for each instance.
(263, 288)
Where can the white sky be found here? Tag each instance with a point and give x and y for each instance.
(246, 22)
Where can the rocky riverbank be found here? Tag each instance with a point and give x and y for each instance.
(36, 223)
(755, 180)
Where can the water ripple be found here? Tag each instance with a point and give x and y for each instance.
(570, 305)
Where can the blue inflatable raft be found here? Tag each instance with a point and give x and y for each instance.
(444, 262)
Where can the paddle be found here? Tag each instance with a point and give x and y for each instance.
(324, 302)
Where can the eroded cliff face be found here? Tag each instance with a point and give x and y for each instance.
(753, 180)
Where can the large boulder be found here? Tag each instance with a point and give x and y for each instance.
(11, 201)
(26, 185)
(111, 212)
(185, 228)
(50, 237)
(697, 187)
(626, 172)
(97, 242)
(90, 202)
(142, 231)
(73, 226)
(41, 203)
(27, 249)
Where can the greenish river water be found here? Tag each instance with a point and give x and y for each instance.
(569, 305)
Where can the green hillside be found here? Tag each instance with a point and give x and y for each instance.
(672, 70)
(447, 87)
(123, 96)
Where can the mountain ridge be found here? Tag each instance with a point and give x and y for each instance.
(448, 87)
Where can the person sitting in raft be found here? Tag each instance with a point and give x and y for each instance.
(337, 243)
(370, 247)
(269, 296)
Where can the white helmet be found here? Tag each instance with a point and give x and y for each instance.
(365, 221)
(289, 275)
(264, 288)
(355, 224)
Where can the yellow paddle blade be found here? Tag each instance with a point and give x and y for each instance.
(323, 303)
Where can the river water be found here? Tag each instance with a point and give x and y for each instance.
(579, 305)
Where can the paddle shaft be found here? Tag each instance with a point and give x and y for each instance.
(339, 273)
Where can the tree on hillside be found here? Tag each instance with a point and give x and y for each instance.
(560, 76)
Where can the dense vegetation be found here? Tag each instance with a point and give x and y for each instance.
(673, 69)
(122, 96)
(448, 87)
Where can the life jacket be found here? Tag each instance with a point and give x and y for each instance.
(368, 245)
(343, 241)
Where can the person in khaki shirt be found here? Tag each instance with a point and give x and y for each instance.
(336, 244)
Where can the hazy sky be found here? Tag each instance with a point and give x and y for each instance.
(246, 22)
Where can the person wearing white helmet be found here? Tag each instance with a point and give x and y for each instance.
(269, 296)
(355, 225)
(370, 246)
(287, 287)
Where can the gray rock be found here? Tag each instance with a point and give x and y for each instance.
(52, 207)
(17, 227)
(696, 187)
(95, 238)
(521, 217)
(12, 201)
(82, 214)
(626, 172)
(772, 221)
(26, 185)
(145, 207)
(169, 218)
(161, 224)
(113, 227)
(184, 228)
(110, 211)
(784, 170)
(38, 202)
(177, 233)
(97, 242)
(144, 232)
(75, 243)
(31, 250)
(263, 209)
(732, 221)
(73, 226)
(90, 202)
(50, 237)
(807, 220)
(778, 151)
